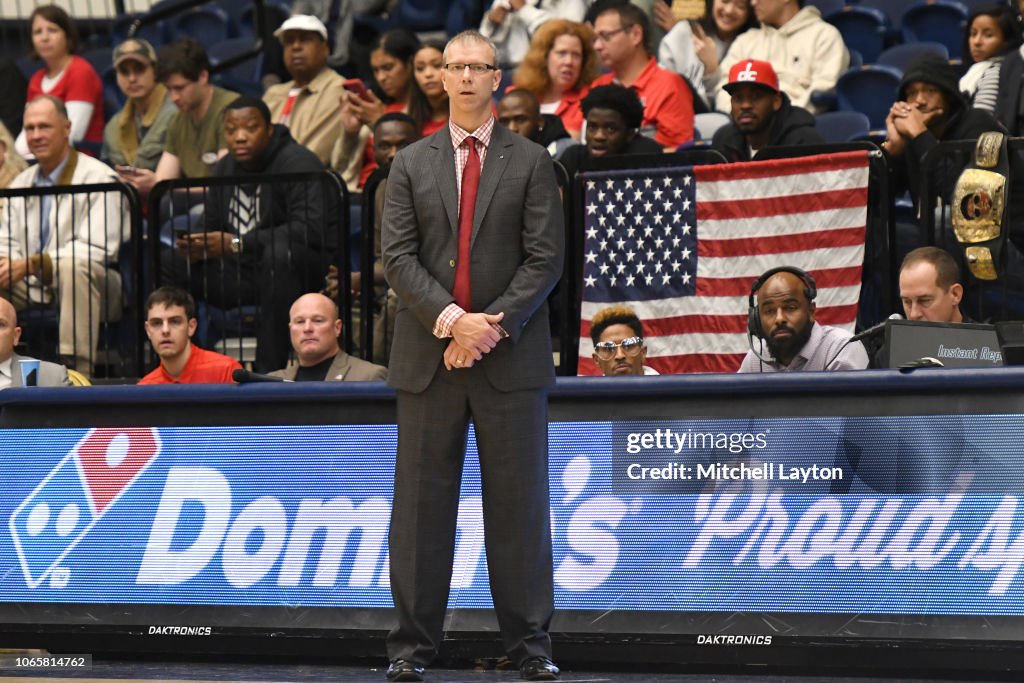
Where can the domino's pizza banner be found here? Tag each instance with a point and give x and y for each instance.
(887, 515)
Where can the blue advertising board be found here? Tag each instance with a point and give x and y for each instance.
(908, 515)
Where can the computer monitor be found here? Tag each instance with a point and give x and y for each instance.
(957, 345)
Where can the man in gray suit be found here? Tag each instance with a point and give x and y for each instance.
(315, 326)
(12, 366)
(472, 265)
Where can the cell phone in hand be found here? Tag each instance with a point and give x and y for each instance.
(127, 170)
(358, 87)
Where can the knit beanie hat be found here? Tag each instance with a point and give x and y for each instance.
(934, 70)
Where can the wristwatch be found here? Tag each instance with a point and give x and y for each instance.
(236, 246)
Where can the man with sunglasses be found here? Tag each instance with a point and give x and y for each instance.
(619, 348)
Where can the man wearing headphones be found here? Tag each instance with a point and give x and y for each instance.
(781, 316)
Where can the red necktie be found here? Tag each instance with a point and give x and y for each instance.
(467, 204)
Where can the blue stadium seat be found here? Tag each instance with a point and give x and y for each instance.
(155, 33)
(894, 9)
(464, 14)
(826, 7)
(101, 58)
(856, 59)
(274, 12)
(842, 126)
(244, 77)
(899, 56)
(870, 90)
(938, 21)
(208, 24)
(863, 29)
(421, 15)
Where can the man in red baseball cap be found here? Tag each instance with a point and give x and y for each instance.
(762, 115)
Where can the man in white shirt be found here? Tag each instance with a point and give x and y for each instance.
(56, 249)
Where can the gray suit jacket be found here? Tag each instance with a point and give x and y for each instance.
(50, 374)
(345, 368)
(516, 258)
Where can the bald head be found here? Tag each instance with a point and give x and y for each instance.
(10, 333)
(314, 324)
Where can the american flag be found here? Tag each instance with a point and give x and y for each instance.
(683, 245)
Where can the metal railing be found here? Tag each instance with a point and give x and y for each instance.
(289, 228)
(66, 313)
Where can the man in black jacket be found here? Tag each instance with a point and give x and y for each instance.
(265, 243)
(929, 109)
(762, 115)
(613, 114)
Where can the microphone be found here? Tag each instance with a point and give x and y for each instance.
(875, 329)
(244, 377)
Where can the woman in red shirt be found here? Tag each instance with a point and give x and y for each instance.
(64, 75)
(558, 69)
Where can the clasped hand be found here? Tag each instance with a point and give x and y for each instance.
(473, 335)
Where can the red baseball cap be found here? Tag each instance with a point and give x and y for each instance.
(754, 72)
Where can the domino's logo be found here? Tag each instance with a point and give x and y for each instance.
(75, 495)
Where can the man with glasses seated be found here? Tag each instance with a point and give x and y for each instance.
(619, 347)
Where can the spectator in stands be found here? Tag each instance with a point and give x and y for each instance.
(11, 368)
(993, 32)
(342, 21)
(613, 114)
(428, 101)
(391, 61)
(170, 324)
(762, 115)
(623, 35)
(307, 104)
(265, 243)
(136, 135)
(393, 133)
(929, 109)
(64, 75)
(195, 136)
(11, 163)
(60, 248)
(930, 287)
(808, 54)
(519, 111)
(510, 24)
(695, 49)
(559, 67)
(315, 325)
(619, 348)
(781, 316)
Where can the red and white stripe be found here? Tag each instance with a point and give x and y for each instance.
(809, 212)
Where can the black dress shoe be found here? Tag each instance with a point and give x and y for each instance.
(538, 669)
(401, 670)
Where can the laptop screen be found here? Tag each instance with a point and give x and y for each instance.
(957, 345)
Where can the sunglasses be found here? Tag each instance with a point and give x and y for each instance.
(631, 346)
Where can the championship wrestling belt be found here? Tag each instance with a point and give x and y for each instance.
(979, 206)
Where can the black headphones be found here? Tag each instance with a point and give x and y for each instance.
(753, 317)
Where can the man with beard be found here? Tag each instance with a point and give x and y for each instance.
(762, 115)
(781, 316)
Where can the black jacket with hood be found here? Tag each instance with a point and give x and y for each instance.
(791, 125)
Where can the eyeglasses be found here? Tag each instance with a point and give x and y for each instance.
(476, 68)
(631, 346)
(605, 36)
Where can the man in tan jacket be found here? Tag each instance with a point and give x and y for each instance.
(307, 104)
